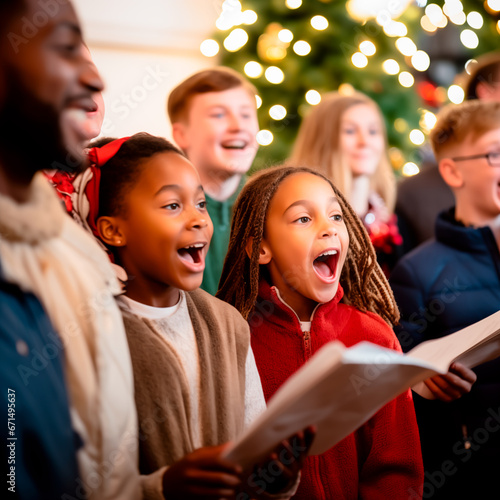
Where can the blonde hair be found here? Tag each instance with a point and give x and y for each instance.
(364, 283)
(317, 145)
(457, 122)
(215, 79)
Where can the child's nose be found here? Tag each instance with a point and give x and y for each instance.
(234, 122)
(328, 229)
(362, 138)
(196, 220)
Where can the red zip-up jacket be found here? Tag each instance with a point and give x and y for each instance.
(382, 459)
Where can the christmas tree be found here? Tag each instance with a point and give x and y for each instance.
(404, 54)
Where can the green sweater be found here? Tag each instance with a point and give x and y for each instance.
(221, 213)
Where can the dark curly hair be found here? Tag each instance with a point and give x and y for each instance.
(121, 172)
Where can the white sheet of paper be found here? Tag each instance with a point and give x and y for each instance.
(337, 390)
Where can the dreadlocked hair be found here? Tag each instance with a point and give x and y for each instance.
(364, 283)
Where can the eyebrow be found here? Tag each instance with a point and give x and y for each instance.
(308, 204)
(175, 187)
(71, 26)
(494, 142)
(352, 122)
(223, 105)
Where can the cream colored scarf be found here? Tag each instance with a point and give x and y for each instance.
(44, 251)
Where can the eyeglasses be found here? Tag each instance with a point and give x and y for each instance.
(493, 158)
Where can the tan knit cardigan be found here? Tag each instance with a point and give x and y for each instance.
(161, 387)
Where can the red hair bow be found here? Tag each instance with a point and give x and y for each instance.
(98, 157)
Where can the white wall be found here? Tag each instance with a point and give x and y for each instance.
(143, 49)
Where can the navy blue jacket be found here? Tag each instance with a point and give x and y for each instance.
(39, 445)
(443, 286)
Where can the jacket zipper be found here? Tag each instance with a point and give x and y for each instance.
(307, 335)
(307, 344)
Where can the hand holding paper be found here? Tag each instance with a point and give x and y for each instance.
(453, 385)
(279, 472)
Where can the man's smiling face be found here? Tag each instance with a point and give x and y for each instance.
(45, 78)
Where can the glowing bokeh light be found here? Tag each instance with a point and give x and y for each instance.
(293, 4)
(417, 137)
(426, 24)
(277, 112)
(456, 94)
(319, 23)
(264, 137)
(390, 66)
(458, 18)
(359, 60)
(469, 39)
(285, 36)
(313, 97)
(494, 5)
(274, 75)
(253, 69)
(406, 46)
(301, 48)
(209, 48)
(367, 48)
(235, 40)
(428, 120)
(475, 20)
(249, 17)
(406, 79)
(409, 169)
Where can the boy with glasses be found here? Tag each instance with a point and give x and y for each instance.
(449, 283)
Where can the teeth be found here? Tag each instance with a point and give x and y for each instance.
(196, 245)
(329, 252)
(234, 144)
(77, 115)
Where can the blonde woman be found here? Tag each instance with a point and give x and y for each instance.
(344, 138)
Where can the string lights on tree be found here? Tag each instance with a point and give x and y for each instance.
(293, 51)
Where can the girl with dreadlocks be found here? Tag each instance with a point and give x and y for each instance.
(301, 268)
(196, 383)
(344, 138)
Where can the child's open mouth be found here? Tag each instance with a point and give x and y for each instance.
(235, 144)
(192, 254)
(325, 265)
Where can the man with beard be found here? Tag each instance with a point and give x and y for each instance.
(44, 82)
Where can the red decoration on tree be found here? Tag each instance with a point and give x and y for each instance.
(428, 92)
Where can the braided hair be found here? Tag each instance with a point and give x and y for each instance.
(364, 283)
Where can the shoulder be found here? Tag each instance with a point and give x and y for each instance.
(427, 257)
(220, 320)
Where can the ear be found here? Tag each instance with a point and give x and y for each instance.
(180, 135)
(450, 173)
(483, 90)
(265, 254)
(110, 231)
